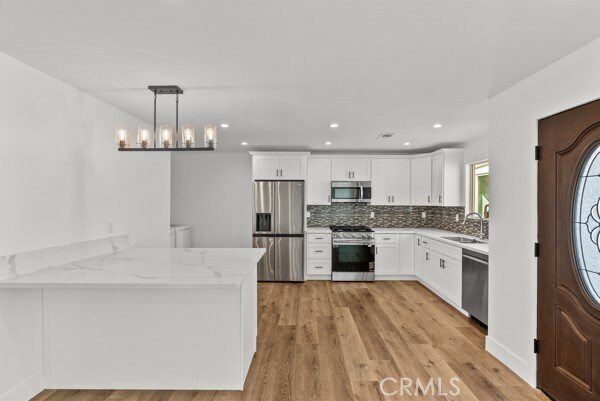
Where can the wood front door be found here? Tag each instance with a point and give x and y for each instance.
(569, 259)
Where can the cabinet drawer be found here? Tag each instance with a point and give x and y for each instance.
(318, 266)
(451, 251)
(318, 238)
(387, 238)
(319, 251)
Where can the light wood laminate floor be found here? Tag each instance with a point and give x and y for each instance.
(324, 341)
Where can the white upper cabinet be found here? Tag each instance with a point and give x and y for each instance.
(420, 181)
(380, 178)
(265, 167)
(351, 169)
(400, 181)
(447, 178)
(390, 181)
(279, 166)
(318, 183)
(292, 167)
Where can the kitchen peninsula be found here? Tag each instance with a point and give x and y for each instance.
(133, 318)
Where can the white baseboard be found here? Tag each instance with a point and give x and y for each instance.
(26, 390)
(406, 277)
(512, 361)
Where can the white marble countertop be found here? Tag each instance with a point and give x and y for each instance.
(317, 230)
(437, 235)
(148, 268)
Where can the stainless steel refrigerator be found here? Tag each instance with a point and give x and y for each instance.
(279, 227)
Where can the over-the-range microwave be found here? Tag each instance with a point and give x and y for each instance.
(350, 191)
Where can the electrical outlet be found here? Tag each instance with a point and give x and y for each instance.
(424, 215)
(111, 227)
(372, 215)
(308, 215)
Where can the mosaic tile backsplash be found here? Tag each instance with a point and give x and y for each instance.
(442, 218)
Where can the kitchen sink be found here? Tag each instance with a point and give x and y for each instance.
(464, 240)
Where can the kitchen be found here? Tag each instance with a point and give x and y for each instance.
(277, 201)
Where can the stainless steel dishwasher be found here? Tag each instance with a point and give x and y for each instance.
(475, 284)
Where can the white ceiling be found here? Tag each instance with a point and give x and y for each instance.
(279, 71)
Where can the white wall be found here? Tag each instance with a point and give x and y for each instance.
(62, 181)
(569, 82)
(212, 192)
(476, 150)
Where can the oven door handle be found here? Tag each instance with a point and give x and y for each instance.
(360, 193)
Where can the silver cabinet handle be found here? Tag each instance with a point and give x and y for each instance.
(426, 255)
(392, 198)
(318, 237)
(387, 239)
(318, 251)
(281, 172)
(428, 198)
(425, 242)
(376, 250)
(318, 267)
(418, 241)
(440, 198)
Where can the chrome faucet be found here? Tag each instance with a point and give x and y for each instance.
(480, 222)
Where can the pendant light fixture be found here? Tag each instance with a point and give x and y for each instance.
(169, 139)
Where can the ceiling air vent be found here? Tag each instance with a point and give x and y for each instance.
(385, 135)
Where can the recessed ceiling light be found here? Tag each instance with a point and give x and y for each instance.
(327, 143)
(224, 125)
(334, 125)
(406, 143)
(244, 143)
(437, 125)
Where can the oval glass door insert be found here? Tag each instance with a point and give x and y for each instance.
(586, 224)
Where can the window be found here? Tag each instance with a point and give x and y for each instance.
(480, 188)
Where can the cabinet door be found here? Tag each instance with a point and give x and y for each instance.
(292, 167)
(340, 170)
(265, 167)
(360, 169)
(318, 182)
(451, 283)
(399, 181)
(435, 271)
(407, 254)
(418, 256)
(379, 182)
(387, 259)
(437, 180)
(426, 264)
(420, 182)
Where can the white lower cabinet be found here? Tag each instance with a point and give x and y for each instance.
(318, 254)
(418, 255)
(441, 269)
(318, 266)
(394, 255)
(407, 254)
(387, 259)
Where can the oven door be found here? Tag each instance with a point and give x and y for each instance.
(353, 262)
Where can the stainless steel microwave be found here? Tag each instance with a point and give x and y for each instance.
(350, 191)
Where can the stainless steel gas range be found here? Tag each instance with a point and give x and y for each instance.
(353, 253)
